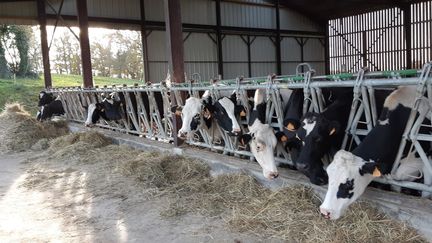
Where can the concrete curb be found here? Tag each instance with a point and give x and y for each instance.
(417, 212)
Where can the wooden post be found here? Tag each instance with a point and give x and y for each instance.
(174, 41)
(84, 43)
(44, 43)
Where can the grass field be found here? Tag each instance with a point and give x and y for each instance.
(26, 91)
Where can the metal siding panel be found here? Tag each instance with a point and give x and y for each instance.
(234, 70)
(154, 10)
(205, 70)
(289, 68)
(263, 69)
(234, 49)
(69, 7)
(18, 9)
(290, 49)
(157, 46)
(198, 12)
(291, 20)
(263, 49)
(158, 71)
(199, 47)
(313, 50)
(234, 14)
(124, 9)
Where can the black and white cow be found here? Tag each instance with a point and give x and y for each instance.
(49, 106)
(109, 109)
(199, 111)
(350, 172)
(261, 137)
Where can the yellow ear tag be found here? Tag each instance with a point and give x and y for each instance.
(242, 113)
(290, 127)
(376, 172)
(332, 131)
(178, 113)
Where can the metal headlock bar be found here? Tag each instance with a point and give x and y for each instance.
(145, 118)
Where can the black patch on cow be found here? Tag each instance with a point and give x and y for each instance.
(367, 168)
(196, 120)
(345, 188)
(245, 138)
(258, 113)
(54, 108)
(46, 98)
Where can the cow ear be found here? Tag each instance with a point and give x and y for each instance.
(281, 137)
(370, 168)
(334, 128)
(245, 138)
(177, 110)
(240, 110)
(292, 124)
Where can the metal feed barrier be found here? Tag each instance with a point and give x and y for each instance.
(147, 121)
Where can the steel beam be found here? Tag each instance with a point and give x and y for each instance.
(44, 43)
(174, 42)
(84, 43)
(219, 38)
(144, 42)
(278, 40)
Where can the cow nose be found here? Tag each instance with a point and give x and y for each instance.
(181, 135)
(273, 175)
(325, 213)
(302, 166)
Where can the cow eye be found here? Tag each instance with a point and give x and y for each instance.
(260, 147)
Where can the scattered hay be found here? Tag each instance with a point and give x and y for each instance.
(19, 131)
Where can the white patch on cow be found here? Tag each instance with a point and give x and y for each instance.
(42, 111)
(262, 147)
(406, 96)
(57, 98)
(345, 166)
(91, 110)
(109, 100)
(308, 126)
(192, 107)
(41, 94)
(410, 169)
(385, 122)
(259, 97)
(228, 105)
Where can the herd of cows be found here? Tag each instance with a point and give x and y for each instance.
(309, 138)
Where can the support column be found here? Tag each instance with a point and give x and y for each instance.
(84, 43)
(219, 38)
(407, 29)
(44, 43)
(327, 48)
(144, 43)
(278, 41)
(174, 41)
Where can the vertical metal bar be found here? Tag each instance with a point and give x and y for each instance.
(407, 29)
(248, 43)
(174, 39)
(327, 48)
(278, 41)
(44, 43)
(144, 43)
(84, 43)
(219, 38)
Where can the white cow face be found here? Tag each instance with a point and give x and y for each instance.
(262, 142)
(349, 176)
(191, 116)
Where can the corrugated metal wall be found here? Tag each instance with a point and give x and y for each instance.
(421, 32)
(200, 49)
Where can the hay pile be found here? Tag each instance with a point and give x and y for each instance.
(19, 131)
(290, 214)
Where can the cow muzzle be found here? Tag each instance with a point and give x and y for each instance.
(182, 135)
(272, 175)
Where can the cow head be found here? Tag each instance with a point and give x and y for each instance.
(261, 138)
(197, 111)
(94, 112)
(316, 136)
(45, 98)
(349, 176)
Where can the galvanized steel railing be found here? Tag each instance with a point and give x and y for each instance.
(150, 124)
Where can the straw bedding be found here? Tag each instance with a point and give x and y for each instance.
(289, 214)
(19, 131)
